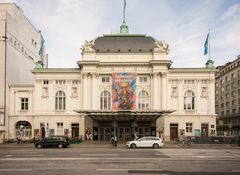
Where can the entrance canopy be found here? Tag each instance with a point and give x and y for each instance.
(124, 115)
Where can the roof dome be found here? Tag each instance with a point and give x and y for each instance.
(124, 43)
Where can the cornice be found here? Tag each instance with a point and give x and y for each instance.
(57, 70)
(200, 70)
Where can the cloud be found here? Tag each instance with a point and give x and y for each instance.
(67, 24)
(231, 11)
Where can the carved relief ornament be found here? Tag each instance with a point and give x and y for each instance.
(88, 46)
(161, 46)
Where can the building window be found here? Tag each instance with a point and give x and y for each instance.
(173, 81)
(204, 81)
(188, 127)
(143, 100)
(24, 104)
(105, 100)
(233, 86)
(189, 81)
(60, 81)
(59, 128)
(189, 100)
(227, 78)
(105, 79)
(143, 79)
(233, 111)
(233, 75)
(45, 81)
(75, 81)
(60, 101)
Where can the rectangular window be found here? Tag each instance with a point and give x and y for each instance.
(75, 81)
(222, 105)
(227, 78)
(204, 81)
(105, 79)
(189, 81)
(24, 104)
(233, 86)
(188, 127)
(45, 81)
(59, 128)
(222, 113)
(143, 79)
(173, 81)
(233, 75)
(228, 112)
(233, 111)
(60, 81)
(233, 94)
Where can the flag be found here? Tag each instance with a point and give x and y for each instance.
(206, 45)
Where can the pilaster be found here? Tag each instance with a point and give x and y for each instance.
(164, 90)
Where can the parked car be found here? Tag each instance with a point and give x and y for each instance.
(53, 141)
(151, 142)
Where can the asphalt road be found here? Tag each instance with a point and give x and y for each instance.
(119, 161)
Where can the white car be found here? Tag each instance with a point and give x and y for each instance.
(152, 142)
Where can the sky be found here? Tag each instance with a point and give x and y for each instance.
(183, 24)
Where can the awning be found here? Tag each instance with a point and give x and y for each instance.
(124, 115)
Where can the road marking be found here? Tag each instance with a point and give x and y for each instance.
(112, 170)
(15, 170)
(206, 156)
(8, 155)
(98, 154)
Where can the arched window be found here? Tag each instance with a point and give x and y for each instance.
(189, 100)
(60, 101)
(105, 100)
(143, 100)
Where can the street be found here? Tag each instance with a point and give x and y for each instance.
(22, 161)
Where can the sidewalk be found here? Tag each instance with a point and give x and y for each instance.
(99, 144)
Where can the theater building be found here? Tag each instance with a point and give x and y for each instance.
(124, 86)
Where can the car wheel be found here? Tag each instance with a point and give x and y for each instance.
(39, 146)
(155, 146)
(60, 146)
(133, 145)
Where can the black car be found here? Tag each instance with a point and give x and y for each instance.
(53, 141)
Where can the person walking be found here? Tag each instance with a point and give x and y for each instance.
(115, 141)
(112, 141)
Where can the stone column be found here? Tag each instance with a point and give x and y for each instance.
(164, 90)
(30, 102)
(94, 89)
(155, 91)
(84, 91)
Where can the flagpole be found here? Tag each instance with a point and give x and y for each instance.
(209, 45)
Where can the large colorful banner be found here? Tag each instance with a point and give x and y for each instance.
(124, 91)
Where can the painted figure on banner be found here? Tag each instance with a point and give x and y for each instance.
(124, 87)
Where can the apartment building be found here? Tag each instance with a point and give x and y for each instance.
(228, 98)
(21, 46)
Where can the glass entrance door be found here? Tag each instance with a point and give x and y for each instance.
(123, 133)
(143, 131)
(104, 133)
